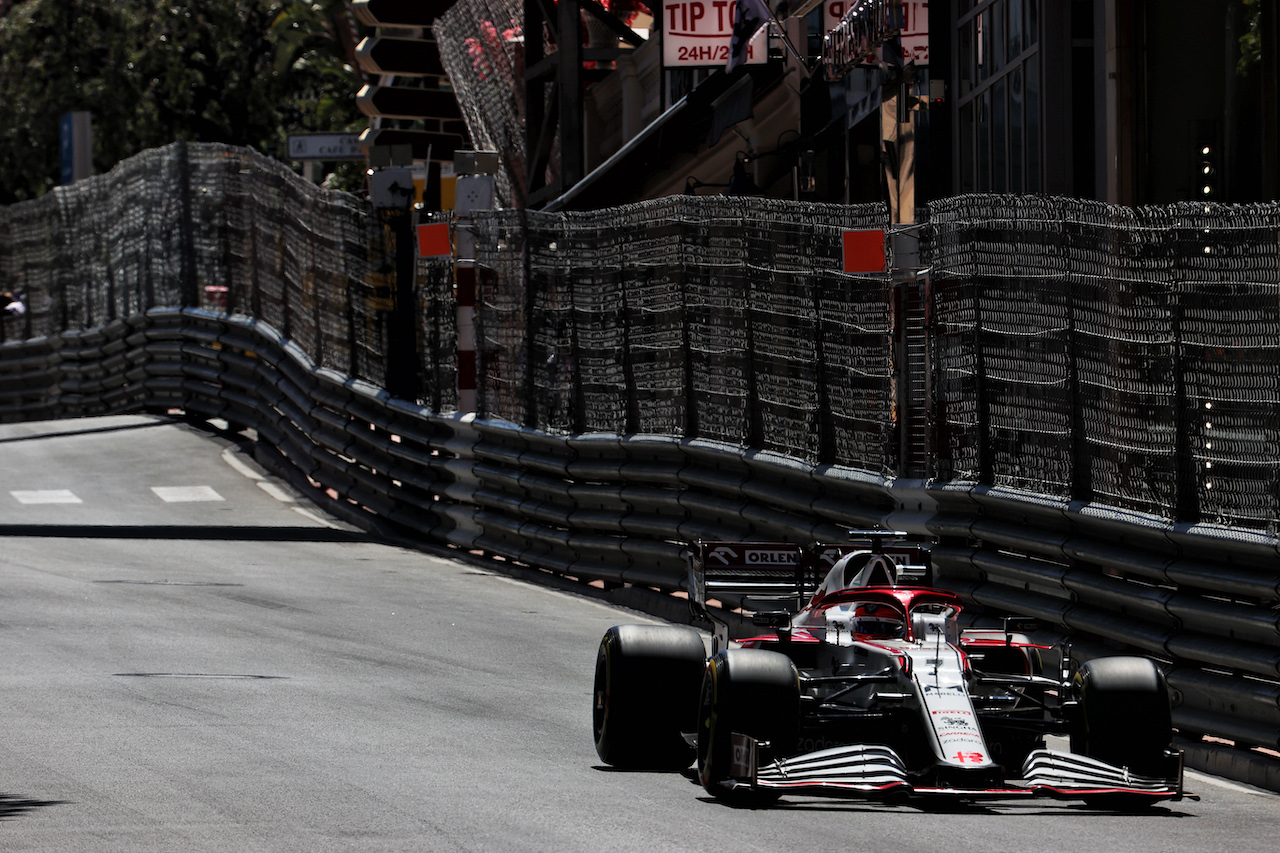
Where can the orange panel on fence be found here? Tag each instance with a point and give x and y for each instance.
(864, 251)
(433, 240)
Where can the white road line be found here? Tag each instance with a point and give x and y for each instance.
(185, 494)
(230, 457)
(317, 519)
(276, 492)
(1226, 783)
(47, 496)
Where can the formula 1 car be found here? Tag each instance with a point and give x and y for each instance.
(864, 685)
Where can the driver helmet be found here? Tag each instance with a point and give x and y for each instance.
(879, 621)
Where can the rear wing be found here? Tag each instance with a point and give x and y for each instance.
(764, 576)
(737, 572)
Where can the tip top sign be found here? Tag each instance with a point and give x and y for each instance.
(696, 33)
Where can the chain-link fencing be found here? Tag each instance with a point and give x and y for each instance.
(1077, 403)
(481, 46)
(712, 317)
(1129, 358)
(226, 229)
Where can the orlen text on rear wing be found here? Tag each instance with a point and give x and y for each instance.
(770, 575)
(739, 574)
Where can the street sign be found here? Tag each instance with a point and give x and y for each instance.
(863, 32)
(404, 102)
(425, 145)
(399, 13)
(696, 33)
(400, 56)
(434, 240)
(325, 146)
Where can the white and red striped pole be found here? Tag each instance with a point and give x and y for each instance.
(465, 290)
(473, 191)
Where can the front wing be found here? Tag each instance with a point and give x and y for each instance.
(878, 771)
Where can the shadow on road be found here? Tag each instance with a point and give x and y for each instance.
(60, 433)
(186, 531)
(11, 806)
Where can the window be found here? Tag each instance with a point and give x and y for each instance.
(997, 69)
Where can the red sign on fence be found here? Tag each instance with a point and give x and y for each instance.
(433, 240)
(864, 251)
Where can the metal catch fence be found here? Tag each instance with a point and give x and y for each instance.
(712, 317)
(227, 229)
(1092, 392)
(1096, 353)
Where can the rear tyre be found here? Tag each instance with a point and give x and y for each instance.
(646, 693)
(750, 692)
(1124, 714)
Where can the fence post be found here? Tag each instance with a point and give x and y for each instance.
(1081, 459)
(822, 373)
(475, 191)
(578, 399)
(690, 397)
(402, 349)
(757, 252)
(1186, 489)
(625, 281)
(186, 236)
(910, 354)
(392, 192)
(530, 306)
(986, 466)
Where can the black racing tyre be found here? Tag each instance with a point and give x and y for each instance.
(751, 692)
(1125, 718)
(646, 695)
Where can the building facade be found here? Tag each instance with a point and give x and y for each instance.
(1126, 101)
(903, 101)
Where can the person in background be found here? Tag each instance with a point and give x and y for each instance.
(13, 305)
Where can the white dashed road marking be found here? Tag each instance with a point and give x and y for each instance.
(48, 496)
(229, 457)
(185, 494)
(317, 519)
(275, 492)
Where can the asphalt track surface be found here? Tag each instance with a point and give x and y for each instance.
(192, 660)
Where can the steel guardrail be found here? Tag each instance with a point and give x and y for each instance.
(618, 509)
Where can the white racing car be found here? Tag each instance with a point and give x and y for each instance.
(864, 685)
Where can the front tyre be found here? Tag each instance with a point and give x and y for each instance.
(646, 692)
(749, 692)
(1124, 714)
